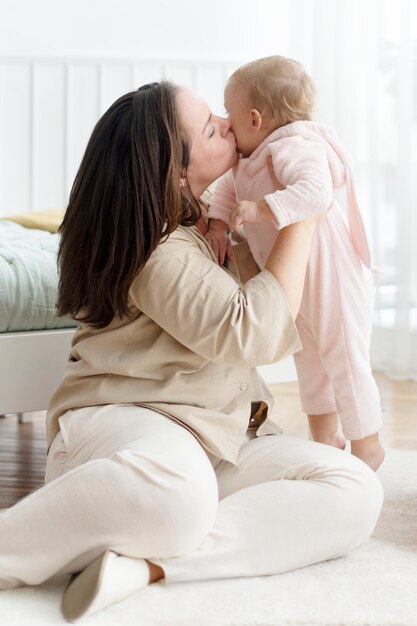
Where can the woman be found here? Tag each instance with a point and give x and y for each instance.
(161, 442)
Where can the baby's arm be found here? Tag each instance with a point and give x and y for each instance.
(221, 205)
(249, 211)
(302, 166)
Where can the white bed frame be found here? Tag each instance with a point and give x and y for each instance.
(31, 366)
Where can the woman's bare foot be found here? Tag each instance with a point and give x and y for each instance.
(369, 450)
(324, 429)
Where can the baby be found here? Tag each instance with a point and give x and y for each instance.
(270, 103)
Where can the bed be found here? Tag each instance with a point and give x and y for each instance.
(34, 342)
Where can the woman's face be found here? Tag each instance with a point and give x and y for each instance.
(213, 144)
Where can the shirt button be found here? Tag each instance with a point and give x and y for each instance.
(243, 387)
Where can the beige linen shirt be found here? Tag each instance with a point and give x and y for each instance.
(190, 349)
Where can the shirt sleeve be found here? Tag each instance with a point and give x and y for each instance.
(201, 306)
(302, 167)
(223, 199)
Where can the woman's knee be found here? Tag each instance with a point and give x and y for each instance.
(175, 506)
(188, 516)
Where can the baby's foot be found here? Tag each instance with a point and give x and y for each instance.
(331, 439)
(369, 450)
(324, 428)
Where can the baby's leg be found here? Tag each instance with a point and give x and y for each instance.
(316, 392)
(338, 304)
(369, 449)
(357, 397)
(324, 428)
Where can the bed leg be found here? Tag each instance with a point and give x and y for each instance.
(24, 418)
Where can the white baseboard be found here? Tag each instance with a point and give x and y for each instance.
(281, 372)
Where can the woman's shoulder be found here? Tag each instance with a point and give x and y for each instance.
(182, 235)
(183, 238)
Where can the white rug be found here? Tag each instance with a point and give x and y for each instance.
(374, 586)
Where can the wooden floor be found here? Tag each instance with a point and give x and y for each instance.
(399, 410)
(23, 446)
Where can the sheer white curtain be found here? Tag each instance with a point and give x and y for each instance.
(362, 55)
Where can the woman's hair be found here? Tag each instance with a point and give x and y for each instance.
(126, 197)
(278, 87)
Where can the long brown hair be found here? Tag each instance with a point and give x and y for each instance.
(126, 197)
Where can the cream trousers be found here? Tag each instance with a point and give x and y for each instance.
(124, 478)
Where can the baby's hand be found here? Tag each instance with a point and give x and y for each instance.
(247, 211)
(220, 242)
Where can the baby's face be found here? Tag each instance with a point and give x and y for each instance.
(236, 103)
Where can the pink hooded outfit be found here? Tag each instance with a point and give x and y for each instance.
(335, 317)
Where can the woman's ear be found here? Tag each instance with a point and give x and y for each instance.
(183, 181)
(256, 120)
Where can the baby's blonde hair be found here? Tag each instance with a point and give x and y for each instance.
(278, 87)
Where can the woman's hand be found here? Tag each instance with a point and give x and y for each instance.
(218, 238)
(202, 226)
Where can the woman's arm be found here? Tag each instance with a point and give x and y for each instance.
(288, 260)
(223, 199)
(222, 203)
(200, 305)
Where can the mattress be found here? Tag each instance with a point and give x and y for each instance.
(28, 279)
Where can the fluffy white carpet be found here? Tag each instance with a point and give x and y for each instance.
(375, 586)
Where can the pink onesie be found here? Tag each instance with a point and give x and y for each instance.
(335, 317)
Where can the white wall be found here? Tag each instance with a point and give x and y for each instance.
(202, 29)
(48, 109)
